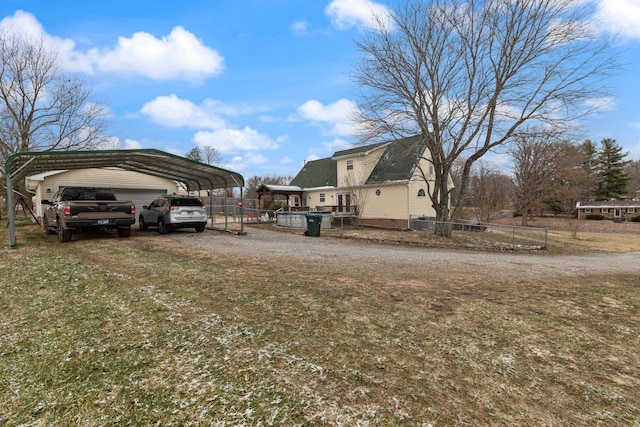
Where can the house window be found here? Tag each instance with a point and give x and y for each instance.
(587, 210)
(430, 169)
(296, 201)
(322, 197)
(631, 210)
(421, 193)
(604, 210)
(349, 165)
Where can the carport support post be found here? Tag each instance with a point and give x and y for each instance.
(241, 212)
(11, 209)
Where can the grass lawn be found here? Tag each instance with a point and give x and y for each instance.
(142, 331)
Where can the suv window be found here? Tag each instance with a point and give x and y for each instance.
(186, 202)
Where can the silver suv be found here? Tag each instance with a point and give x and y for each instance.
(169, 212)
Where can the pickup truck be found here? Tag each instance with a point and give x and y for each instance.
(77, 209)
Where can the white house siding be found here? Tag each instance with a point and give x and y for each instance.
(419, 205)
(313, 198)
(391, 203)
(362, 168)
(127, 185)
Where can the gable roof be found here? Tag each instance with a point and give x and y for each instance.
(317, 173)
(362, 150)
(398, 162)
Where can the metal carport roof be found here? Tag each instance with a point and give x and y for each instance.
(194, 175)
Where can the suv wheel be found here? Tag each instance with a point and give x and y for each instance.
(142, 224)
(162, 227)
(199, 228)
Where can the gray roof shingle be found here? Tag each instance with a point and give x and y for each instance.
(398, 162)
(317, 173)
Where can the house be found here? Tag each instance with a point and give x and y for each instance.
(620, 210)
(381, 184)
(140, 188)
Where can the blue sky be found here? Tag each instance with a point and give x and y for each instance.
(265, 82)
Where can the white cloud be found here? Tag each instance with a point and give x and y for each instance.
(635, 125)
(114, 143)
(255, 159)
(179, 55)
(602, 104)
(234, 140)
(358, 13)
(131, 144)
(299, 27)
(172, 111)
(338, 115)
(109, 143)
(337, 145)
(620, 17)
(26, 25)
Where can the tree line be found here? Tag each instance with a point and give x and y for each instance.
(550, 175)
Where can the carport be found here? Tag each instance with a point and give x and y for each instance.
(195, 176)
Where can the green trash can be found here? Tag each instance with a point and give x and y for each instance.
(313, 225)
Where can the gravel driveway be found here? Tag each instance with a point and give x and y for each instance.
(355, 256)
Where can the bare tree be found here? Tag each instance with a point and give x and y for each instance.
(211, 156)
(535, 157)
(253, 183)
(467, 74)
(359, 195)
(589, 151)
(41, 108)
(491, 192)
(633, 170)
(571, 179)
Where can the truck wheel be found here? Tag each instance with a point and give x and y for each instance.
(45, 226)
(143, 225)
(162, 227)
(63, 235)
(124, 232)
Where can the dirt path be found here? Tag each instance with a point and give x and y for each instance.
(358, 257)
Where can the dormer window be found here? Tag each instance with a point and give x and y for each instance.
(349, 165)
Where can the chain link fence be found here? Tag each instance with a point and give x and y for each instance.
(230, 210)
(497, 235)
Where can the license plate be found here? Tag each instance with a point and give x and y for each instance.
(103, 222)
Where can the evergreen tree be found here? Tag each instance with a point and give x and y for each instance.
(194, 154)
(612, 177)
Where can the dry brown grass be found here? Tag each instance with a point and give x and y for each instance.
(146, 331)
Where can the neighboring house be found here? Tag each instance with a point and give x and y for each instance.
(379, 183)
(610, 209)
(140, 188)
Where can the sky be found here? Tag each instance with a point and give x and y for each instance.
(265, 82)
